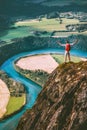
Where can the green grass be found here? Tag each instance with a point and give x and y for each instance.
(27, 27)
(50, 25)
(16, 33)
(44, 25)
(47, 24)
(15, 103)
(38, 76)
(60, 58)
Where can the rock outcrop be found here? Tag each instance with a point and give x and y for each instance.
(62, 104)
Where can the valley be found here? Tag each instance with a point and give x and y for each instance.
(31, 29)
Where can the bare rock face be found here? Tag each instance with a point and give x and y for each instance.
(62, 104)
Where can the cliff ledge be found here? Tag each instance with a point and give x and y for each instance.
(62, 104)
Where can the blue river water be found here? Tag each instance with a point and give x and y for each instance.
(32, 89)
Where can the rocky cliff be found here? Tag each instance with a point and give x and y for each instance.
(62, 104)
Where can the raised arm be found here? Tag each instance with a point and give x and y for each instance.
(60, 43)
(74, 42)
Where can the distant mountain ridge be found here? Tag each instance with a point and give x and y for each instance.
(10, 9)
(62, 2)
(38, 7)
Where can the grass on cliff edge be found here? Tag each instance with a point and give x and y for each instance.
(60, 58)
(15, 103)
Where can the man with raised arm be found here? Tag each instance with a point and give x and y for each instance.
(67, 49)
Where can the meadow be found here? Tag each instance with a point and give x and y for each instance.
(15, 103)
(43, 28)
(47, 24)
(28, 28)
(60, 58)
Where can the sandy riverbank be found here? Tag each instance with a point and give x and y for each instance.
(4, 97)
(41, 62)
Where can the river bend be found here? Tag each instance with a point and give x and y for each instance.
(32, 89)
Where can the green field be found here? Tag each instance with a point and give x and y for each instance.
(15, 103)
(19, 32)
(47, 24)
(60, 58)
(28, 27)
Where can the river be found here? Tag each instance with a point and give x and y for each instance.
(32, 89)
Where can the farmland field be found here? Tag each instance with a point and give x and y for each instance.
(27, 27)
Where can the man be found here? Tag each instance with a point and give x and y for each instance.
(67, 49)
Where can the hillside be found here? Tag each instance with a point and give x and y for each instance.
(36, 7)
(62, 104)
(11, 10)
